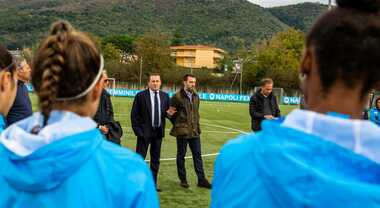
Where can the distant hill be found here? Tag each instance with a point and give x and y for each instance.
(299, 16)
(223, 23)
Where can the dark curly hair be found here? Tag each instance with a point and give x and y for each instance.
(346, 41)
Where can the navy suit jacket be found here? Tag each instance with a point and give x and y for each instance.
(22, 107)
(141, 114)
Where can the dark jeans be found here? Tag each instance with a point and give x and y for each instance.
(155, 151)
(195, 147)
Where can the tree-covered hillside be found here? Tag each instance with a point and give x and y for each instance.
(224, 23)
(299, 16)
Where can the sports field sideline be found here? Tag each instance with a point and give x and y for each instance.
(220, 122)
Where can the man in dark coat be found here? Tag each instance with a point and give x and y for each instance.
(104, 117)
(148, 121)
(185, 117)
(263, 105)
(22, 107)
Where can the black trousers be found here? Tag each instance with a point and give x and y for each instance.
(155, 151)
(195, 147)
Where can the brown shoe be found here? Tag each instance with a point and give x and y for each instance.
(184, 184)
(204, 184)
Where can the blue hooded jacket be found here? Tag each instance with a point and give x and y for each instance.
(2, 123)
(69, 164)
(374, 115)
(321, 162)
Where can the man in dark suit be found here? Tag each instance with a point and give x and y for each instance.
(263, 105)
(148, 121)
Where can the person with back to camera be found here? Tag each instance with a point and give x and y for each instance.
(57, 157)
(325, 156)
(22, 106)
(104, 116)
(8, 84)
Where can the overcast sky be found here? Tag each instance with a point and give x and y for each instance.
(272, 3)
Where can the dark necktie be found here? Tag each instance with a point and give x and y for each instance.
(156, 118)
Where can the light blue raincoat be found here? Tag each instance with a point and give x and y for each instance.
(70, 164)
(310, 160)
(374, 116)
(2, 123)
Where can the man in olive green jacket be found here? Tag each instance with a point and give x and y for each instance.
(184, 111)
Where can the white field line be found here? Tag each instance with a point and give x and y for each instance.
(189, 157)
(225, 127)
(205, 155)
(121, 114)
(203, 131)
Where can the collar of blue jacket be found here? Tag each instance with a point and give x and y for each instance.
(321, 161)
(69, 163)
(359, 136)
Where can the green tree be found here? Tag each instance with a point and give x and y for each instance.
(111, 53)
(153, 48)
(124, 72)
(121, 42)
(178, 38)
(278, 58)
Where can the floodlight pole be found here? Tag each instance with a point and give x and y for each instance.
(241, 78)
(141, 62)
